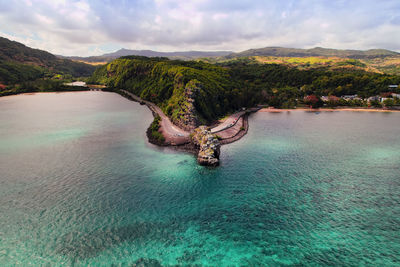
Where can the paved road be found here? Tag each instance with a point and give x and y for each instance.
(175, 135)
(229, 122)
(172, 133)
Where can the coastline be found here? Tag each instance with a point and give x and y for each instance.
(272, 110)
(49, 92)
(227, 130)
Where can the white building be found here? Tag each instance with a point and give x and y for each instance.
(395, 95)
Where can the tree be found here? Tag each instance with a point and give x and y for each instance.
(333, 101)
(313, 101)
(388, 102)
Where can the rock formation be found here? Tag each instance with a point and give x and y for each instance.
(208, 146)
(187, 118)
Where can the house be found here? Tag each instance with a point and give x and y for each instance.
(325, 98)
(350, 97)
(77, 83)
(395, 95)
(373, 98)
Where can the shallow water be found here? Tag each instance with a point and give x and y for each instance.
(80, 185)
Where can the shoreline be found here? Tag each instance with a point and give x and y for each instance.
(53, 92)
(229, 130)
(277, 110)
(226, 135)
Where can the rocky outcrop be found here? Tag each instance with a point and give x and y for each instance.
(187, 118)
(208, 146)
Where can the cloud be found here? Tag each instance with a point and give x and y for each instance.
(84, 27)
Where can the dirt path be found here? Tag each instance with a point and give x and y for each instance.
(232, 129)
(231, 121)
(172, 133)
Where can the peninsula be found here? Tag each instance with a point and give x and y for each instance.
(189, 98)
(202, 140)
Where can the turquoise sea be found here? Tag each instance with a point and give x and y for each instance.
(80, 185)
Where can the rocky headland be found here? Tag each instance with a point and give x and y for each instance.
(208, 146)
(203, 141)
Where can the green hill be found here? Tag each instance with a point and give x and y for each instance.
(315, 52)
(167, 83)
(183, 55)
(221, 88)
(21, 63)
(23, 69)
(374, 60)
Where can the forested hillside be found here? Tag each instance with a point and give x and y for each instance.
(284, 86)
(225, 87)
(11, 51)
(23, 69)
(168, 83)
(187, 55)
(315, 52)
(374, 60)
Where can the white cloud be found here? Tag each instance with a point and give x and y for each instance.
(86, 27)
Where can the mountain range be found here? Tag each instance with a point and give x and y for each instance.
(315, 52)
(21, 63)
(373, 60)
(186, 55)
(267, 51)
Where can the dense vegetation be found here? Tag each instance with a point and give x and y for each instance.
(315, 52)
(12, 72)
(280, 86)
(23, 69)
(39, 85)
(164, 81)
(153, 131)
(374, 60)
(225, 87)
(11, 51)
(189, 55)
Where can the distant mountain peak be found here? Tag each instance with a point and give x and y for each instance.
(316, 51)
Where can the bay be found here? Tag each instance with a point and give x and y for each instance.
(80, 185)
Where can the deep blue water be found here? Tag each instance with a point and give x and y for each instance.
(79, 184)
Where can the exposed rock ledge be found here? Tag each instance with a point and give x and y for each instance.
(208, 146)
(201, 141)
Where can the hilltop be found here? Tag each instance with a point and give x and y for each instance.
(217, 89)
(185, 55)
(374, 60)
(315, 52)
(24, 69)
(14, 52)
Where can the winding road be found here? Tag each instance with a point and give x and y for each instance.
(173, 134)
(229, 122)
(177, 136)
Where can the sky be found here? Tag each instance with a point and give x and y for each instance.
(94, 27)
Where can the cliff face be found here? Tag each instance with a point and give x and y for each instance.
(189, 93)
(208, 146)
(187, 118)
